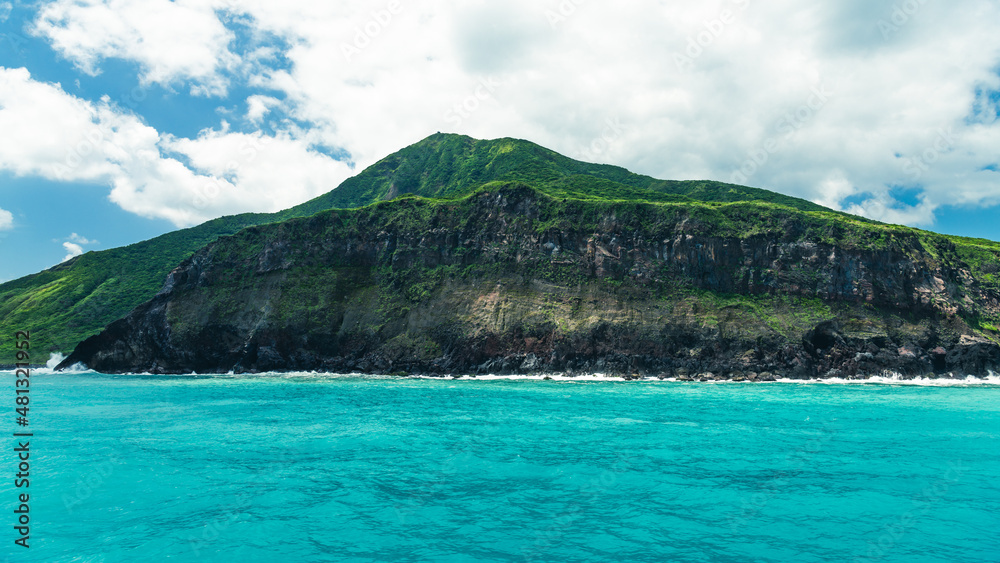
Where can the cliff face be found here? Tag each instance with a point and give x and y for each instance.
(510, 280)
(76, 299)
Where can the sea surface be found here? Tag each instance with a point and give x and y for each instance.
(309, 467)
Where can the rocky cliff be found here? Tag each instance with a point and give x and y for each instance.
(75, 300)
(511, 280)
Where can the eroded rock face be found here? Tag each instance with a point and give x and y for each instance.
(605, 291)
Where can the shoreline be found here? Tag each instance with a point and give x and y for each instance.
(887, 378)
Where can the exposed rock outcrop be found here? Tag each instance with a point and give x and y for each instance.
(511, 281)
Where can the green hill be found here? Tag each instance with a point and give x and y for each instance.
(74, 300)
(448, 166)
(511, 279)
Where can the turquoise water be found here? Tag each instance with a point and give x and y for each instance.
(313, 468)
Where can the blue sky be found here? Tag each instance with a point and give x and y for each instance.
(124, 119)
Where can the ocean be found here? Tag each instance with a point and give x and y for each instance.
(311, 467)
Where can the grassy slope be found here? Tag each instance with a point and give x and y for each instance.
(445, 166)
(65, 304)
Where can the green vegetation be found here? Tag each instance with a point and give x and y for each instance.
(786, 315)
(434, 288)
(67, 303)
(449, 166)
(391, 291)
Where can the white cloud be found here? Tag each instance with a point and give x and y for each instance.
(81, 240)
(258, 106)
(751, 82)
(272, 172)
(54, 135)
(181, 40)
(374, 76)
(74, 245)
(6, 220)
(883, 208)
(47, 132)
(5, 9)
(72, 250)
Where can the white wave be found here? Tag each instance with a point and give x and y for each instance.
(55, 359)
(887, 378)
(529, 377)
(892, 378)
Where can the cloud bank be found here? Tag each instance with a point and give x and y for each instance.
(54, 135)
(883, 108)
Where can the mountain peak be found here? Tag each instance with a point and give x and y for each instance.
(448, 165)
